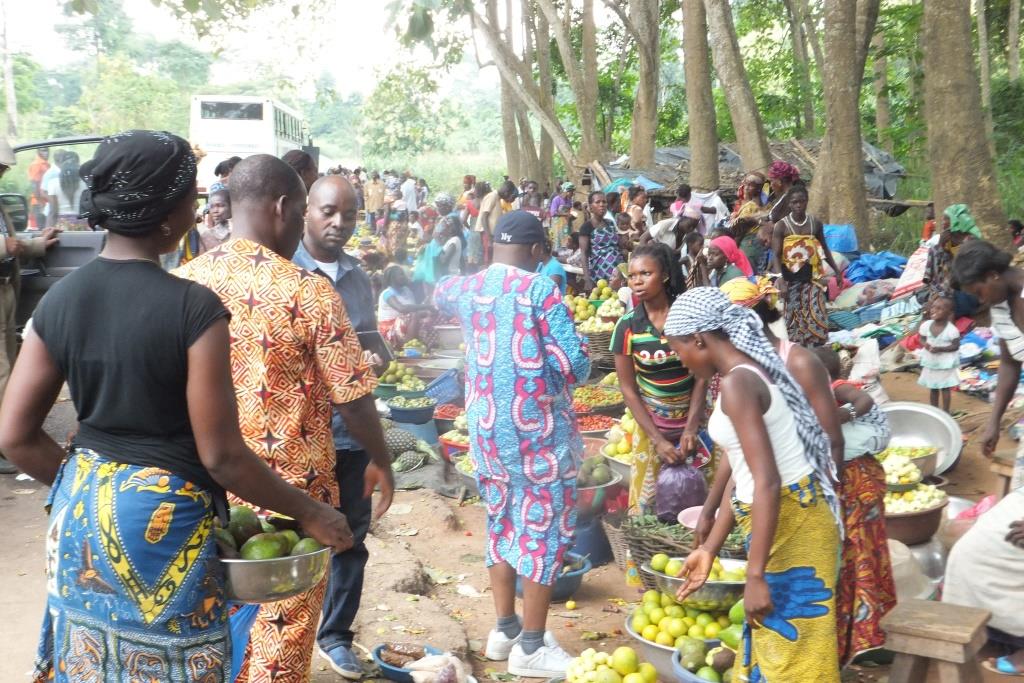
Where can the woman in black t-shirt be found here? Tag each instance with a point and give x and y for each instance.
(131, 557)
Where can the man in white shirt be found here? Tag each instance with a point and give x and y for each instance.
(409, 192)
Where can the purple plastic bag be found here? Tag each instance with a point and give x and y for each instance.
(679, 487)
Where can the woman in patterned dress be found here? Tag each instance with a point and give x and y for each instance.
(134, 588)
(866, 591)
(784, 498)
(658, 389)
(523, 357)
(599, 242)
(798, 248)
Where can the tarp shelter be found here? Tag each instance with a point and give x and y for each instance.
(882, 171)
(627, 181)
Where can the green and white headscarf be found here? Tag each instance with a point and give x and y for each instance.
(961, 220)
(706, 309)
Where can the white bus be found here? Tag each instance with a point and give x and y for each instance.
(224, 126)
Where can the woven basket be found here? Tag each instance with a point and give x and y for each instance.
(617, 541)
(599, 342)
(645, 543)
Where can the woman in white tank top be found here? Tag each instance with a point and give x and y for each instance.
(784, 498)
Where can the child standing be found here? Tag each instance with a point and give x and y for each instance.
(940, 358)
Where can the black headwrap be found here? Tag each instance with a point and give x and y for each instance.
(135, 179)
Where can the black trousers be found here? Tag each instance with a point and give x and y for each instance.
(345, 586)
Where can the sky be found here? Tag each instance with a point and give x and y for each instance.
(352, 43)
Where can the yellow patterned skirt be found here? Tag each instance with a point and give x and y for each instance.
(134, 587)
(797, 641)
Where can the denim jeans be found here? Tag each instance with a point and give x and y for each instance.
(345, 586)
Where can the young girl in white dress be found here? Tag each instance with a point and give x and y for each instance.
(940, 357)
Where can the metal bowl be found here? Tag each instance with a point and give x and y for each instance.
(590, 499)
(919, 424)
(272, 580)
(659, 656)
(712, 596)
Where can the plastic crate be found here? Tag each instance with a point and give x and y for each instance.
(446, 388)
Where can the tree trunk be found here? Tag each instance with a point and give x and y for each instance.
(984, 66)
(802, 64)
(700, 103)
(10, 94)
(581, 72)
(842, 83)
(519, 79)
(513, 160)
(961, 169)
(590, 144)
(546, 148)
(881, 83)
(1013, 41)
(822, 198)
(644, 17)
(746, 119)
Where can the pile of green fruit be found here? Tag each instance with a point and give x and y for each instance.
(661, 620)
(249, 537)
(593, 472)
(402, 375)
(415, 345)
(406, 402)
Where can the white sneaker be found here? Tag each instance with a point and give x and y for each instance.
(499, 645)
(548, 661)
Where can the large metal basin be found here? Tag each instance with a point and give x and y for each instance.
(276, 579)
(919, 424)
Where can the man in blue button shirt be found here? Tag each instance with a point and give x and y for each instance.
(331, 217)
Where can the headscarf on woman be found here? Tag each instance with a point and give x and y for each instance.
(707, 309)
(780, 170)
(733, 254)
(749, 294)
(129, 187)
(960, 220)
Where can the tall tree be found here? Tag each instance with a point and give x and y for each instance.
(509, 125)
(10, 93)
(700, 102)
(984, 64)
(842, 83)
(746, 119)
(642, 25)
(962, 170)
(802, 64)
(580, 70)
(883, 113)
(824, 197)
(1013, 41)
(546, 146)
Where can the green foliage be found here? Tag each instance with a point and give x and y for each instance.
(438, 168)
(402, 114)
(118, 97)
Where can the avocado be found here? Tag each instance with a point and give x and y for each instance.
(737, 613)
(264, 547)
(290, 538)
(306, 545)
(731, 636)
(226, 547)
(267, 527)
(244, 524)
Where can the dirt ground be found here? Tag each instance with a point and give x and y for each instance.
(425, 581)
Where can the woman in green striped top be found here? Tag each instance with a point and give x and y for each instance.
(657, 388)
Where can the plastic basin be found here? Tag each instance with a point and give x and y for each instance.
(568, 583)
(393, 673)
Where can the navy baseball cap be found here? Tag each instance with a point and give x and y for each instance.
(519, 227)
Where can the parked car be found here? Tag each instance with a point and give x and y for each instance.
(75, 248)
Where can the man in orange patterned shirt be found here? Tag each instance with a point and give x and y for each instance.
(293, 355)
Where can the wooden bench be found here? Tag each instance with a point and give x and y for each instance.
(922, 630)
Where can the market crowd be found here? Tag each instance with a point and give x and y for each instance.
(235, 374)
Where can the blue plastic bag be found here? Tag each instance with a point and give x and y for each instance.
(842, 238)
(240, 623)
